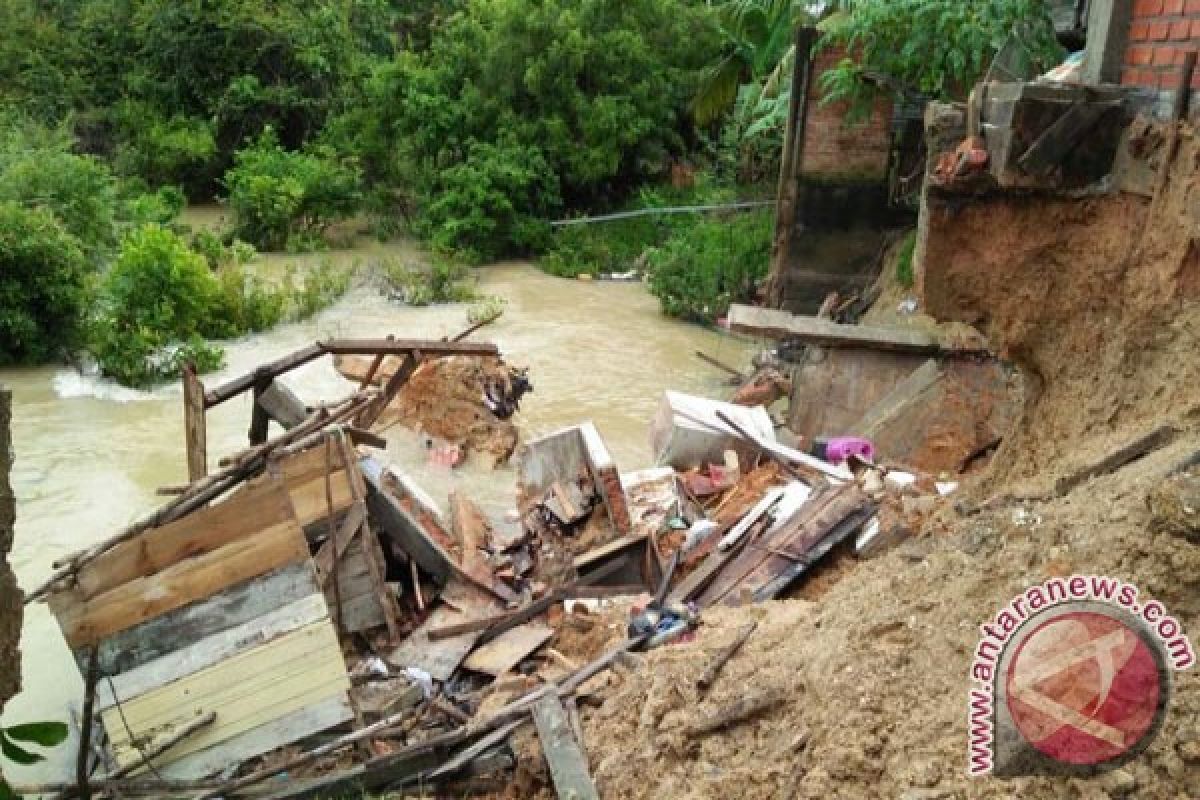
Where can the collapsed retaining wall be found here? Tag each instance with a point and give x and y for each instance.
(1095, 301)
(11, 604)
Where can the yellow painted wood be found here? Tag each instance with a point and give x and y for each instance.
(86, 621)
(244, 514)
(246, 691)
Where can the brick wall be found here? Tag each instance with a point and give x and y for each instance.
(1160, 32)
(836, 151)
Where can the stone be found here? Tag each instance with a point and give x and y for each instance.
(1175, 506)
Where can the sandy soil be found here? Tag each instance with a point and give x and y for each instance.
(1095, 301)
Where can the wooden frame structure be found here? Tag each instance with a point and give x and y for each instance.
(197, 400)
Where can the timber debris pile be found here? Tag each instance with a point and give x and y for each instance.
(308, 611)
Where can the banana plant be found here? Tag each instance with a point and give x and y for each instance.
(15, 739)
(759, 40)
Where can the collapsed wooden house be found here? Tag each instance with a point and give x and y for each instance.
(308, 587)
(208, 633)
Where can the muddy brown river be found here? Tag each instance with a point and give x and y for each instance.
(89, 454)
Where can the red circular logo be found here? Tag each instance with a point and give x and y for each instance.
(1084, 688)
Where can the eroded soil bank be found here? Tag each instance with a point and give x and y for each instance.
(1095, 300)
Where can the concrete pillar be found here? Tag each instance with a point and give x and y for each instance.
(11, 599)
(1107, 36)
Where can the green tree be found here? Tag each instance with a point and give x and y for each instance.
(44, 282)
(549, 105)
(940, 48)
(277, 194)
(157, 305)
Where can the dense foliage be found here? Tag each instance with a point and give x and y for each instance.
(279, 194)
(157, 306)
(939, 48)
(43, 286)
(697, 265)
(523, 109)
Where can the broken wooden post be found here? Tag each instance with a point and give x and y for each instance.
(194, 427)
(745, 709)
(722, 658)
(85, 724)
(568, 768)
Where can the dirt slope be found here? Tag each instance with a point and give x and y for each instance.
(1096, 301)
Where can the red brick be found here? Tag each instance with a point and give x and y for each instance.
(1137, 56)
(1138, 31)
(1169, 80)
(1196, 29)
(1173, 7)
(1164, 56)
(1147, 8)
(1181, 30)
(1192, 7)
(1160, 30)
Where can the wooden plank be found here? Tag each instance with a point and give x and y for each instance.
(507, 650)
(401, 347)
(1155, 439)
(361, 610)
(304, 474)
(463, 602)
(86, 621)
(211, 650)
(568, 767)
(346, 538)
(782, 325)
(247, 690)
(194, 424)
(245, 514)
(235, 606)
(263, 373)
(292, 727)
(604, 552)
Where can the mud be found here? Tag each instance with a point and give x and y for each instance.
(1094, 300)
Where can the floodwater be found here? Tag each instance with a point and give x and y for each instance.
(89, 454)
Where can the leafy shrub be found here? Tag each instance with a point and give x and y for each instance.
(485, 309)
(156, 308)
(442, 281)
(522, 109)
(161, 207)
(620, 245)
(277, 194)
(318, 289)
(701, 270)
(44, 281)
(38, 170)
(162, 150)
(939, 48)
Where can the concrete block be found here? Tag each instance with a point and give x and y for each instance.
(686, 432)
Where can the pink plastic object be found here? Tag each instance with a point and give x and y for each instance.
(839, 450)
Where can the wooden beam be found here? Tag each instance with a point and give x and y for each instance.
(403, 347)
(782, 325)
(194, 428)
(263, 373)
(568, 768)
